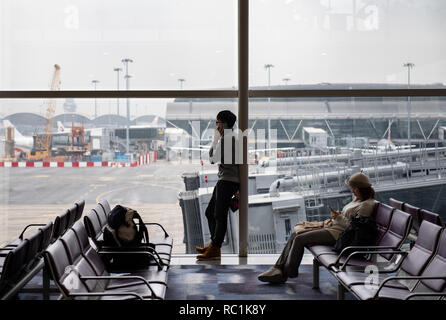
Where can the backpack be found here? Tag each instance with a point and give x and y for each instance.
(122, 233)
(362, 231)
(121, 230)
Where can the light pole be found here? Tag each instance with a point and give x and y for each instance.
(95, 103)
(117, 78)
(408, 65)
(286, 80)
(181, 83)
(268, 68)
(127, 77)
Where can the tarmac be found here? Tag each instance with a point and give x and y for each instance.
(38, 195)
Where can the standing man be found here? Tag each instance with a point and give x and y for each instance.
(226, 187)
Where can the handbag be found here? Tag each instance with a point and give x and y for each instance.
(361, 232)
(234, 202)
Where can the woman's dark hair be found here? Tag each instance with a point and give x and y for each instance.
(367, 193)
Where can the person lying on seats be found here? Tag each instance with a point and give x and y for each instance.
(321, 233)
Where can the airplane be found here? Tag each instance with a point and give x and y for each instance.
(61, 128)
(154, 124)
(207, 147)
(387, 145)
(21, 142)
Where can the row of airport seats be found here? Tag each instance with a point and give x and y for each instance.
(417, 273)
(21, 259)
(77, 263)
(95, 220)
(418, 216)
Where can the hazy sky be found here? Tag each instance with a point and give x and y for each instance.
(308, 41)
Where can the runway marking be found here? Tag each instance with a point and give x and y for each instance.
(131, 187)
(41, 176)
(145, 175)
(94, 186)
(107, 179)
(110, 191)
(50, 215)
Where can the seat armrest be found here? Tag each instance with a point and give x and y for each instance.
(372, 253)
(361, 247)
(122, 278)
(160, 267)
(166, 235)
(393, 278)
(30, 225)
(425, 294)
(94, 294)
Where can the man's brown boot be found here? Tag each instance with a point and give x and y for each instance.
(203, 249)
(212, 253)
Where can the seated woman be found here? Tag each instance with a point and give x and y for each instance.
(288, 263)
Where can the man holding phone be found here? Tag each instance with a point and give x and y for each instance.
(226, 187)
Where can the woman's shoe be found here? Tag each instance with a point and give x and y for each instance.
(273, 275)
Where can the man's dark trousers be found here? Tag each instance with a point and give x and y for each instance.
(217, 210)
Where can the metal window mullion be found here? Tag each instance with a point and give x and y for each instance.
(347, 93)
(106, 94)
(166, 94)
(243, 117)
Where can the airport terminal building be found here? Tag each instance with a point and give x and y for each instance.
(341, 118)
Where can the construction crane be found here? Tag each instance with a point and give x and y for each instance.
(42, 146)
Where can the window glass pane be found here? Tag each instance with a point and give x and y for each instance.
(197, 117)
(347, 41)
(167, 40)
(316, 144)
(166, 175)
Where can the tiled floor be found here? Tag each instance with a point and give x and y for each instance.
(233, 278)
(234, 259)
(239, 282)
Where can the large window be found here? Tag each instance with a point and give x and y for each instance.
(151, 152)
(167, 41)
(138, 155)
(346, 41)
(318, 143)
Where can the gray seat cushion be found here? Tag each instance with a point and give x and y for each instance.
(317, 250)
(367, 293)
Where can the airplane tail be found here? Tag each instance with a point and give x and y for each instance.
(7, 123)
(60, 127)
(155, 121)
